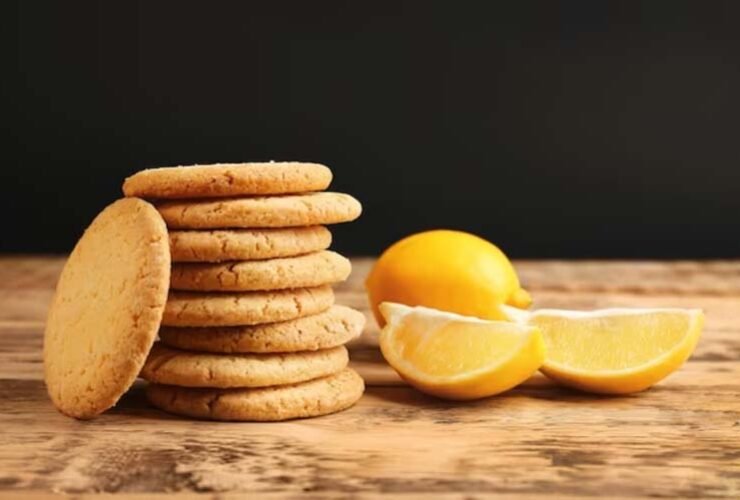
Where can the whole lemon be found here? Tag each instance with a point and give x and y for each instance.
(448, 270)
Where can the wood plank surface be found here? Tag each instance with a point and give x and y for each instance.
(679, 439)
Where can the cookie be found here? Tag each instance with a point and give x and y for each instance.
(246, 308)
(308, 399)
(331, 328)
(275, 211)
(247, 244)
(314, 269)
(228, 179)
(107, 308)
(167, 365)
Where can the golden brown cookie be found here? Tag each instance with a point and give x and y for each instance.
(245, 308)
(247, 244)
(331, 328)
(167, 365)
(314, 269)
(307, 399)
(274, 211)
(107, 308)
(228, 179)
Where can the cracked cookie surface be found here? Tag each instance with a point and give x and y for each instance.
(107, 308)
(314, 269)
(331, 328)
(247, 244)
(167, 365)
(228, 179)
(244, 308)
(257, 212)
(308, 399)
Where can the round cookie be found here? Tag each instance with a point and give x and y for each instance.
(308, 399)
(331, 328)
(314, 269)
(166, 365)
(246, 308)
(228, 179)
(275, 211)
(107, 308)
(247, 244)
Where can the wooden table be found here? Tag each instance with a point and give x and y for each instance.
(679, 439)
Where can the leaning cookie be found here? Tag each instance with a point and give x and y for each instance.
(107, 309)
(331, 328)
(244, 308)
(247, 244)
(314, 269)
(275, 211)
(308, 399)
(166, 365)
(228, 179)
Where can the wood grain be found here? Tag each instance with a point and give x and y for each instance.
(679, 439)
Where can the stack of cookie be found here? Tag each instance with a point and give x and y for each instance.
(250, 330)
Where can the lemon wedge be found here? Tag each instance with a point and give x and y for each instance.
(613, 351)
(458, 357)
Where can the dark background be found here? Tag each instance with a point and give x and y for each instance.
(555, 129)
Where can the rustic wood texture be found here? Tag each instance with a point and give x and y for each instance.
(679, 439)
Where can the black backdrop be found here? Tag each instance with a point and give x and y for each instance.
(555, 129)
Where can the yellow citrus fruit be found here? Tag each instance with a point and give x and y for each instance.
(448, 270)
(458, 357)
(614, 351)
